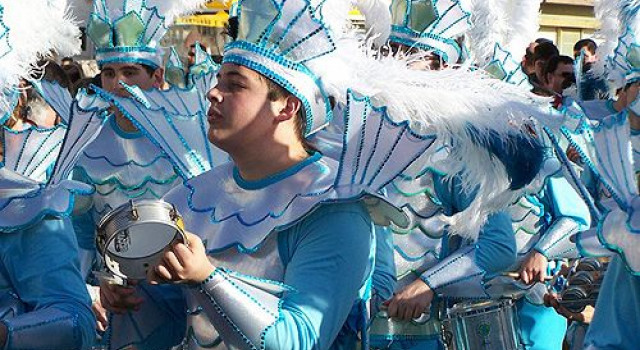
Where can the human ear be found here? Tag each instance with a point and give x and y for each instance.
(289, 109)
(158, 78)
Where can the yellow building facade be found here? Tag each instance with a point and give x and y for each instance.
(567, 21)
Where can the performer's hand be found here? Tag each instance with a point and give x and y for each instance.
(551, 300)
(411, 302)
(101, 315)
(534, 268)
(573, 155)
(119, 299)
(183, 263)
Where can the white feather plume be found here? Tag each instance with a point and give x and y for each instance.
(444, 102)
(607, 12)
(523, 24)
(377, 19)
(35, 29)
(489, 25)
(510, 23)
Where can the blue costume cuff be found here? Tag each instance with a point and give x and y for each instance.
(241, 308)
(589, 245)
(555, 243)
(457, 276)
(40, 329)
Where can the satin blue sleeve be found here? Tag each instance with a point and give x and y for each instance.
(384, 273)
(42, 264)
(496, 245)
(569, 215)
(562, 200)
(615, 323)
(327, 258)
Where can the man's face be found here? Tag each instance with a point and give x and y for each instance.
(631, 92)
(131, 74)
(560, 79)
(241, 114)
(191, 57)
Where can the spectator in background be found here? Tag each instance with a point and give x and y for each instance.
(558, 75)
(66, 61)
(542, 53)
(528, 65)
(591, 87)
(74, 72)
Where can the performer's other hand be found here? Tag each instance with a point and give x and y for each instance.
(411, 302)
(183, 263)
(534, 268)
(101, 315)
(551, 300)
(573, 155)
(119, 299)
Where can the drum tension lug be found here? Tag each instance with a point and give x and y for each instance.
(134, 214)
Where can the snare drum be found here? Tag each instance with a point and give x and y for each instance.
(487, 325)
(133, 237)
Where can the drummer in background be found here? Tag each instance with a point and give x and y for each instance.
(43, 301)
(445, 266)
(122, 163)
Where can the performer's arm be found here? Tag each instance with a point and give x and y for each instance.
(569, 216)
(461, 274)
(327, 259)
(42, 265)
(384, 273)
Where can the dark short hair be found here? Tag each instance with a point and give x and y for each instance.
(545, 51)
(552, 63)
(589, 44)
(543, 40)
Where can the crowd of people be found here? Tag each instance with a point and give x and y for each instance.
(421, 187)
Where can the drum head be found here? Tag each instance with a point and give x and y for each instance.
(142, 240)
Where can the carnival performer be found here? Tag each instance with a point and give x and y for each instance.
(257, 218)
(608, 152)
(43, 299)
(543, 221)
(427, 259)
(121, 163)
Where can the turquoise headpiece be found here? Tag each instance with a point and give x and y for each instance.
(430, 25)
(176, 74)
(129, 31)
(281, 39)
(504, 67)
(626, 57)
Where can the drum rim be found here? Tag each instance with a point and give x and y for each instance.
(130, 205)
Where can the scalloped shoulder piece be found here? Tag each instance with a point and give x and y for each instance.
(86, 119)
(31, 152)
(24, 202)
(229, 212)
(175, 121)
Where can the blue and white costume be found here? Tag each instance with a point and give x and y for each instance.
(43, 301)
(608, 153)
(285, 278)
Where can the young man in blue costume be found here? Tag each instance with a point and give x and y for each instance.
(282, 249)
(544, 220)
(122, 163)
(615, 321)
(43, 301)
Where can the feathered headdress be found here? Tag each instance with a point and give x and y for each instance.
(30, 30)
(130, 30)
(501, 30)
(430, 25)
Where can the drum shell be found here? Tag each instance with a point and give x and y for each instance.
(483, 326)
(127, 216)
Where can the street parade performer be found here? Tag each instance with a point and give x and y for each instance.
(122, 164)
(282, 245)
(43, 301)
(609, 150)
